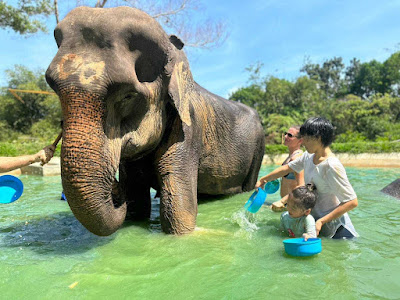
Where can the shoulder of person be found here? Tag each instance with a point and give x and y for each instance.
(307, 155)
(297, 154)
(335, 168)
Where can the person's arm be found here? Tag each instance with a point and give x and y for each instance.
(11, 163)
(336, 213)
(277, 173)
(280, 204)
(299, 178)
(339, 184)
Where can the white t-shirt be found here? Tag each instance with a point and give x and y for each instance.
(333, 188)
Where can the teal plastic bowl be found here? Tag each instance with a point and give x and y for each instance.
(272, 186)
(11, 189)
(256, 200)
(299, 247)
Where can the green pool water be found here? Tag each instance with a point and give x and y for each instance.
(46, 254)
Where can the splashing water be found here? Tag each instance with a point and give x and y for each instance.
(245, 220)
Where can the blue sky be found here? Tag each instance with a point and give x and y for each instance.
(280, 34)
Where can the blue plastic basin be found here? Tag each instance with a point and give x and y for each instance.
(11, 188)
(299, 247)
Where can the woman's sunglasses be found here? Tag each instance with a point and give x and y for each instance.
(289, 134)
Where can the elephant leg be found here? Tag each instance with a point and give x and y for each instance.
(135, 188)
(177, 175)
(178, 201)
(251, 178)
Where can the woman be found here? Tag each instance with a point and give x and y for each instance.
(336, 196)
(293, 179)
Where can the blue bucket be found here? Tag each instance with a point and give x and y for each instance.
(272, 186)
(11, 189)
(256, 200)
(300, 247)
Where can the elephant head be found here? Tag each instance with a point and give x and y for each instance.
(115, 72)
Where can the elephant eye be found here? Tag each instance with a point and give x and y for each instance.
(58, 35)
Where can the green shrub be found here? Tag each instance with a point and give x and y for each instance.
(272, 150)
(366, 147)
(25, 145)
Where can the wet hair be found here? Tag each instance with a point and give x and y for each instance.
(305, 196)
(318, 127)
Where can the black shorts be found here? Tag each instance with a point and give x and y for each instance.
(342, 233)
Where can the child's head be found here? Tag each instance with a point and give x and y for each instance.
(318, 128)
(301, 200)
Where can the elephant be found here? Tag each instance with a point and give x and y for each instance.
(135, 119)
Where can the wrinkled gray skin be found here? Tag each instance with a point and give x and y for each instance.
(393, 189)
(129, 101)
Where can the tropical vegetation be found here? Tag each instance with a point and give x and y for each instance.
(362, 101)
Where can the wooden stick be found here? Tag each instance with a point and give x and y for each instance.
(57, 140)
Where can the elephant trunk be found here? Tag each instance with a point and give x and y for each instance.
(88, 165)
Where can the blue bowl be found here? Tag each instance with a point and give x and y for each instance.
(299, 247)
(255, 201)
(272, 186)
(11, 188)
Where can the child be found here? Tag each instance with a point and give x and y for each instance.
(297, 220)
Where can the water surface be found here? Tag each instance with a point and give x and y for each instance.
(46, 254)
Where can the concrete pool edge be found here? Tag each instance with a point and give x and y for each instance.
(372, 160)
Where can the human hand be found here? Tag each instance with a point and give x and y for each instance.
(260, 184)
(278, 206)
(306, 236)
(46, 154)
(318, 226)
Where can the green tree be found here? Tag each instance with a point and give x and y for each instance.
(391, 69)
(25, 17)
(329, 75)
(275, 125)
(308, 98)
(252, 96)
(20, 116)
(369, 80)
(352, 72)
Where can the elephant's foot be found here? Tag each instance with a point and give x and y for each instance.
(178, 223)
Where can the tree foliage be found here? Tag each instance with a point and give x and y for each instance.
(26, 17)
(184, 18)
(23, 116)
(362, 100)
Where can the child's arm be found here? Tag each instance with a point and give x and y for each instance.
(310, 230)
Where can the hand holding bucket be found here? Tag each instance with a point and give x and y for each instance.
(258, 198)
(11, 187)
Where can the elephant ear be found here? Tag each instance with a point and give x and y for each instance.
(180, 90)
